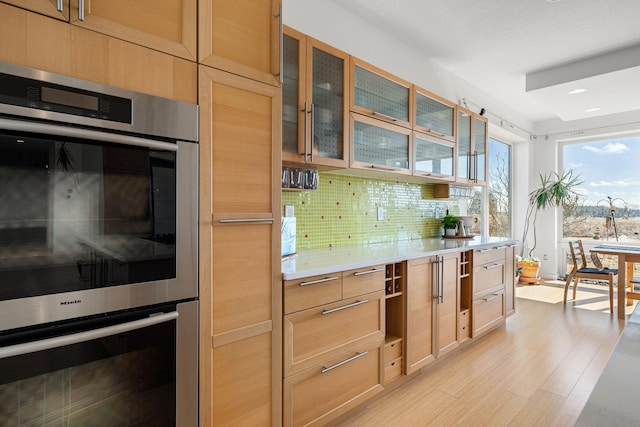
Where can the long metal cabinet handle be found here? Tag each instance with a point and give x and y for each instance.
(494, 296)
(441, 279)
(491, 267)
(304, 137)
(384, 168)
(361, 273)
(436, 295)
(60, 6)
(353, 304)
(281, 25)
(46, 128)
(315, 282)
(313, 129)
(81, 10)
(242, 220)
(384, 116)
(475, 166)
(337, 365)
(64, 340)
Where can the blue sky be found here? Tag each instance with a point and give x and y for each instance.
(609, 167)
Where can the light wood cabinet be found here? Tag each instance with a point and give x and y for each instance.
(447, 303)
(434, 115)
(315, 120)
(433, 157)
(419, 299)
(432, 299)
(168, 26)
(380, 95)
(242, 37)
(240, 285)
(395, 285)
(472, 141)
(510, 277)
(380, 146)
(58, 9)
(325, 345)
(318, 395)
(35, 41)
(489, 278)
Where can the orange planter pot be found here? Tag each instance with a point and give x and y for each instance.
(529, 272)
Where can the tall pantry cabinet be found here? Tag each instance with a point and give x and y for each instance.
(240, 267)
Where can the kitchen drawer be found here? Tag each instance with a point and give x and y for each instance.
(362, 281)
(312, 291)
(488, 278)
(483, 256)
(487, 312)
(392, 370)
(319, 333)
(392, 350)
(327, 390)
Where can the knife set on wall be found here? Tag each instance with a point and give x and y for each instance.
(300, 179)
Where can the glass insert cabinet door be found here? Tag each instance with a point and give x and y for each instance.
(314, 107)
(433, 157)
(380, 146)
(464, 144)
(480, 148)
(435, 115)
(378, 94)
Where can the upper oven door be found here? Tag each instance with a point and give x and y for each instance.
(93, 222)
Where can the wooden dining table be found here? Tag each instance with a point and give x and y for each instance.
(627, 255)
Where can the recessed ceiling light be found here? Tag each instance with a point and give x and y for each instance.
(576, 91)
(553, 1)
(592, 110)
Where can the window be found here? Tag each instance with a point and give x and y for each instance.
(608, 207)
(499, 189)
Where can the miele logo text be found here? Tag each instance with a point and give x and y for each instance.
(73, 301)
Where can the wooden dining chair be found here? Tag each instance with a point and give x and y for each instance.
(581, 271)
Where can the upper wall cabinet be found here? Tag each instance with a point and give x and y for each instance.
(472, 147)
(242, 37)
(379, 94)
(434, 115)
(36, 41)
(58, 9)
(379, 146)
(315, 108)
(433, 158)
(168, 26)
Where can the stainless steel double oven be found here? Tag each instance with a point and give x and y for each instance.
(98, 254)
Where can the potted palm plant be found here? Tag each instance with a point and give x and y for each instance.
(554, 191)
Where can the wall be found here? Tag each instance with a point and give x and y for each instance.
(343, 212)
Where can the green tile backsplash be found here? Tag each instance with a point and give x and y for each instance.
(343, 212)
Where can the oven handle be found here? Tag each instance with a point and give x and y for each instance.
(116, 138)
(49, 343)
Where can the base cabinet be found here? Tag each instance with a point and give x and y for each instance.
(320, 394)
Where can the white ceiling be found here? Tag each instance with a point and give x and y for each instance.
(494, 44)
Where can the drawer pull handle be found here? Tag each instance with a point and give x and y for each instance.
(383, 116)
(375, 270)
(337, 365)
(353, 304)
(491, 298)
(243, 220)
(485, 250)
(491, 267)
(313, 282)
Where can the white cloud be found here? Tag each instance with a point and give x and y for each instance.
(610, 148)
(616, 183)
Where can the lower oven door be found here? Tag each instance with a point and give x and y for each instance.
(128, 369)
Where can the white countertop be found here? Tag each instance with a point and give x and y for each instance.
(313, 262)
(614, 399)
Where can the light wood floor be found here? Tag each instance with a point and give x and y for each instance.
(537, 371)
